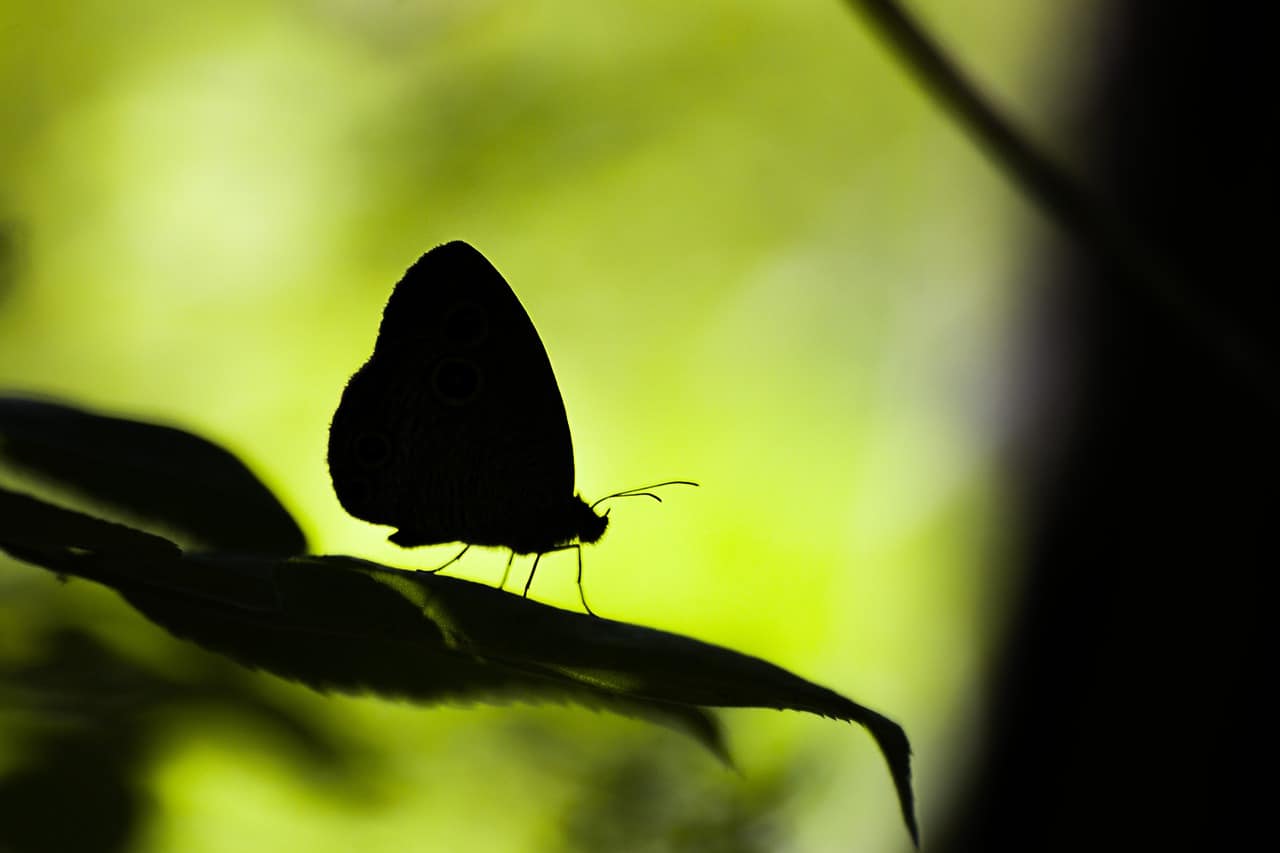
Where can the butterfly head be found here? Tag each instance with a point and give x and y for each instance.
(588, 525)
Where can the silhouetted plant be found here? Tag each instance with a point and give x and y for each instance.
(342, 624)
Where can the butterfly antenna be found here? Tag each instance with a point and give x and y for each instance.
(456, 558)
(643, 491)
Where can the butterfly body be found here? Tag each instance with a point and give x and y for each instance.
(454, 429)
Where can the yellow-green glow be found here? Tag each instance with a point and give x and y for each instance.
(757, 256)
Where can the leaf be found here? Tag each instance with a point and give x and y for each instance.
(160, 474)
(318, 622)
(31, 523)
(341, 624)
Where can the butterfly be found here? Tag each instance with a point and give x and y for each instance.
(454, 429)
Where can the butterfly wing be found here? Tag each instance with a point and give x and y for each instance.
(454, 430)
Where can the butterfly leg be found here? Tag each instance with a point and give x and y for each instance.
(529, 582)
(581, 592)
(456, 558)
(507, 572)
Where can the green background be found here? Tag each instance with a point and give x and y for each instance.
(758, 257)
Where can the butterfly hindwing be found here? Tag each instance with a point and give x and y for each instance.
(454, 429)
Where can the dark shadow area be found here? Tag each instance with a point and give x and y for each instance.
(1129, 708)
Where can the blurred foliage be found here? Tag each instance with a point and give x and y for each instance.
(10, 257)
(758, 259)
(87, 722)
(651, 805)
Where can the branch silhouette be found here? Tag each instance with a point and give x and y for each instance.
(1135, 262)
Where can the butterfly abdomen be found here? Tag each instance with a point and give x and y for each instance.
(527, 529)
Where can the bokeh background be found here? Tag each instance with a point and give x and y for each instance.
(759, 258)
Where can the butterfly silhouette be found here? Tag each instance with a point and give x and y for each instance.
(454, 429)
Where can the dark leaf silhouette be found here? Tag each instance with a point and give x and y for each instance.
(155, 473)
(337, 623)
(33, 524)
